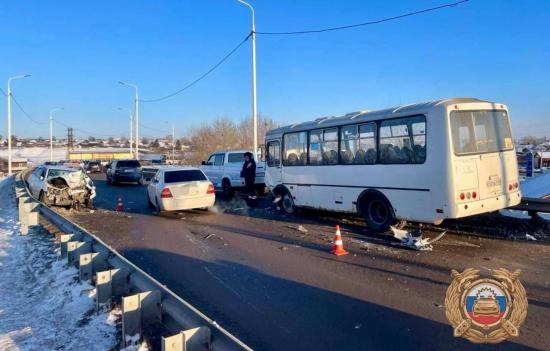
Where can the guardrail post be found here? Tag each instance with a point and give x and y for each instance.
(85, 265)
(63, 240)
(110, 283)
(139, 311)
(75, 249)
(195, 339)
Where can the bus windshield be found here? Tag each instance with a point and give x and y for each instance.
(475, 132)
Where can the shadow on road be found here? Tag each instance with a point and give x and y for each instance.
(270, 313)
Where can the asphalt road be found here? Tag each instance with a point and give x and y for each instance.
(278, 288)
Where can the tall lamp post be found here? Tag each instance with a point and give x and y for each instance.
(51, 129)
(9, 117)
(136, 113)
(254, 103)
(131, 140)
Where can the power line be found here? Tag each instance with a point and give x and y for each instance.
(409, 14)
(21, 108)
(204, 75)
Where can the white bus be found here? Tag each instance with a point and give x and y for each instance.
(423, 162)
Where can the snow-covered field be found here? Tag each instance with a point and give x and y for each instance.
(42, 304)
(538, 186)
(35, 155)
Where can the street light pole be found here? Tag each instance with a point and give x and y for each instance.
(136, 114)
(254, 102)
(9, 117)
(130, 141)
(51, 130)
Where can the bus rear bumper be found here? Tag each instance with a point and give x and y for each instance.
(496, 203)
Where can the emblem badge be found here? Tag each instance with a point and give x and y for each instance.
(486, 310)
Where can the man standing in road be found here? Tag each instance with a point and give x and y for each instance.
(249, 174)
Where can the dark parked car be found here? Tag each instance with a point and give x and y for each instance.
(123, 171)
(93, 167)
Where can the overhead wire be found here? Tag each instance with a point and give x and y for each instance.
(201, 77)
(25, 113)
(387, 19)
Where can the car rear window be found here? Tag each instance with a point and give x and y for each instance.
(183, 176)
(130, 163)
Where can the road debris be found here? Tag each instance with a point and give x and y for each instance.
(530, 237)
(209, 236)
(413, 239)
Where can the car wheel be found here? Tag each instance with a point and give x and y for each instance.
(287, 203)
(227, 190)
(378, 213)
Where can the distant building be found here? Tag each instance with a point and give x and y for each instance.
(99, 154)
(17, 164)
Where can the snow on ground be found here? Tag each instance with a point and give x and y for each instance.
(42, 305)
(35, 155)
(538, 186)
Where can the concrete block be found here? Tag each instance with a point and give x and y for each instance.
(139, 311)
(195, 339)
(24, 229)
(75, 249)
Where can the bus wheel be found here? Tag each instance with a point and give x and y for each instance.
(287, 203)
(378, 213)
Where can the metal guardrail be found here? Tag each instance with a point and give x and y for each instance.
(533, 205)
(146, 303)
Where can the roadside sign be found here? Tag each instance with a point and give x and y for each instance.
(529, 164)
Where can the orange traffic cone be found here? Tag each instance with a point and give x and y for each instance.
(338, 247)
(119, 205)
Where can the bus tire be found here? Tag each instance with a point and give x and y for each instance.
(227, 190)
(287, 203)
(378, 212)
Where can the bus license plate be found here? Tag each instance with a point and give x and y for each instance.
(494, 181)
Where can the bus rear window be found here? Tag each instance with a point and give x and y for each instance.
(480, 132)
(183, 176)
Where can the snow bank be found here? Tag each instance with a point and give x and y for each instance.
(36, 155)
(536, 187)
(42, 305)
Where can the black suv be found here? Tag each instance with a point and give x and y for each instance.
(124, 171)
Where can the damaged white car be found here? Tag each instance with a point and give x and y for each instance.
(62, 186)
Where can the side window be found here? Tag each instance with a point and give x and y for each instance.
(218, 161)
(348, 144)
(330, 146)
(358, 144)
(367, 144)
(210, 161)
(315, 153)
(295, 149)
(273, 154)
(403, 140)
(235, 157)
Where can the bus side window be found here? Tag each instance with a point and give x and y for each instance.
(295, 149)
(273, 154)
(403, 140)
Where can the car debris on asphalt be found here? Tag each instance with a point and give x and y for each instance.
(413, 239)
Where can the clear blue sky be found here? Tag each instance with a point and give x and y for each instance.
(77, 51)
